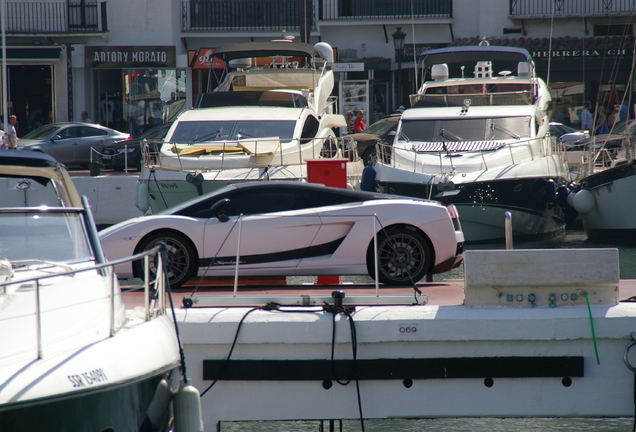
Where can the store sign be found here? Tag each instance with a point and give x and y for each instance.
(348, 67)
(148, 57)
(204, 59)
(580, 53)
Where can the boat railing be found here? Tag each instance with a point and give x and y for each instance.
(154, 290)
(254, 152)
(474, 99)
(447, 150)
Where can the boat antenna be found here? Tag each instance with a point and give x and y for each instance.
(414, 51)
(550, 45)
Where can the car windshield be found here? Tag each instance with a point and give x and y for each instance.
(465, 129)
(381, 127)
(41, 132)
(560, 129)
(37, 234)
(157, 132)
(231, 130)
(210, 197)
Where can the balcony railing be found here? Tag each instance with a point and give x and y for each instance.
(239, 15)
(568, 8)
(372, 9)
(56, 18)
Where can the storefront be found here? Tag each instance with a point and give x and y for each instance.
(135, 87)
(33, 95)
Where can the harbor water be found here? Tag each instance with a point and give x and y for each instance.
(570, 239)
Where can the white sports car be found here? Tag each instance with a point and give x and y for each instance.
(292, 228)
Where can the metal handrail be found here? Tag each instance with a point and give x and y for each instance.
(151, 311)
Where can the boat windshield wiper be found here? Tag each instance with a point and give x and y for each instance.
(216, 135)
(504, 130)
(446, 134)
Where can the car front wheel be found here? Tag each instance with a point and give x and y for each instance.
(404, 257)
(181, 259)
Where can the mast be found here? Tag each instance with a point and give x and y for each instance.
(5, 109)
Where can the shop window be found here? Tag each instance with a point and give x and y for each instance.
(613, 30)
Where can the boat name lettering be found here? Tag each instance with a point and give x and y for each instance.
(579, 53)
(89, 378)
(169, 185)
(408, 328)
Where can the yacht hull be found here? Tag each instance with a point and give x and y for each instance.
(611, 217)
(482, 206)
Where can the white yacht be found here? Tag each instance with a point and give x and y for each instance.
(483, 138)
(73, 357)
(271, 113)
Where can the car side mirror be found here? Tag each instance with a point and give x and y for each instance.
(55, 138)
(217, 209)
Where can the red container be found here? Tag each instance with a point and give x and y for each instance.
(330, 172)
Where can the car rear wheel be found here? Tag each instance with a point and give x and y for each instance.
(181, 260)
(368, 156)
(404, 257)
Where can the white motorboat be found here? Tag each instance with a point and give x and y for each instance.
(270, 114)
(72, 356)
(485, 139)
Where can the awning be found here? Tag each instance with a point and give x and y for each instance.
(36, 53)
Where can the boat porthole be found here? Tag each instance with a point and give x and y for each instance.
(488, 382)
(567, 382)
(326, 384)
(408, 383)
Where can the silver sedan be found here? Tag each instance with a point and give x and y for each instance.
(71, 143)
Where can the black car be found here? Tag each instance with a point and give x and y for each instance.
(381, 131)
(114, 155)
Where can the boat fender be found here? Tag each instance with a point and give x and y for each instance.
(368, 179)
(562, 193)
(156, 414)
(550, 191)
(584, 201)
(186, 405)
(142, 201)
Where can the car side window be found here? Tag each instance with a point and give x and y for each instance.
(69, 132)
(88, 131)
(265, 201)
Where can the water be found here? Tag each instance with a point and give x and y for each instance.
(570, 240)
(441, 425)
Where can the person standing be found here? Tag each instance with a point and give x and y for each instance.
(11, 135)
(586, 118)
(349, 120)
(560, 113)
(85, 118)
(358, 124)
(624, 113)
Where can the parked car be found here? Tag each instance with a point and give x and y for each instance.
(613, 140)
(567, 134)
(294, 229)
(114, 155)
(71, 143)
(381, 131)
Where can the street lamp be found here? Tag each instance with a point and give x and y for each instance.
(398, 42)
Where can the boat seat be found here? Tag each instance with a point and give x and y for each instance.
(198, 150)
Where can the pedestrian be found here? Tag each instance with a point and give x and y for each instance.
(611, 117)
(349, 120)
(358, 124)
(586, 118)
(11, 135)
(601, 123)
(624, 113)
(85, 118)
(33, 119)
(560, 113)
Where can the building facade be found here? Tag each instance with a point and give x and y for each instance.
(131, 63)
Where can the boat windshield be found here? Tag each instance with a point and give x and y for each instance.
(42, 235)
(190, 132)
(465, 129)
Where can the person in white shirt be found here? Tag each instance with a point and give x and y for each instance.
(587, 122)
(11, 136)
